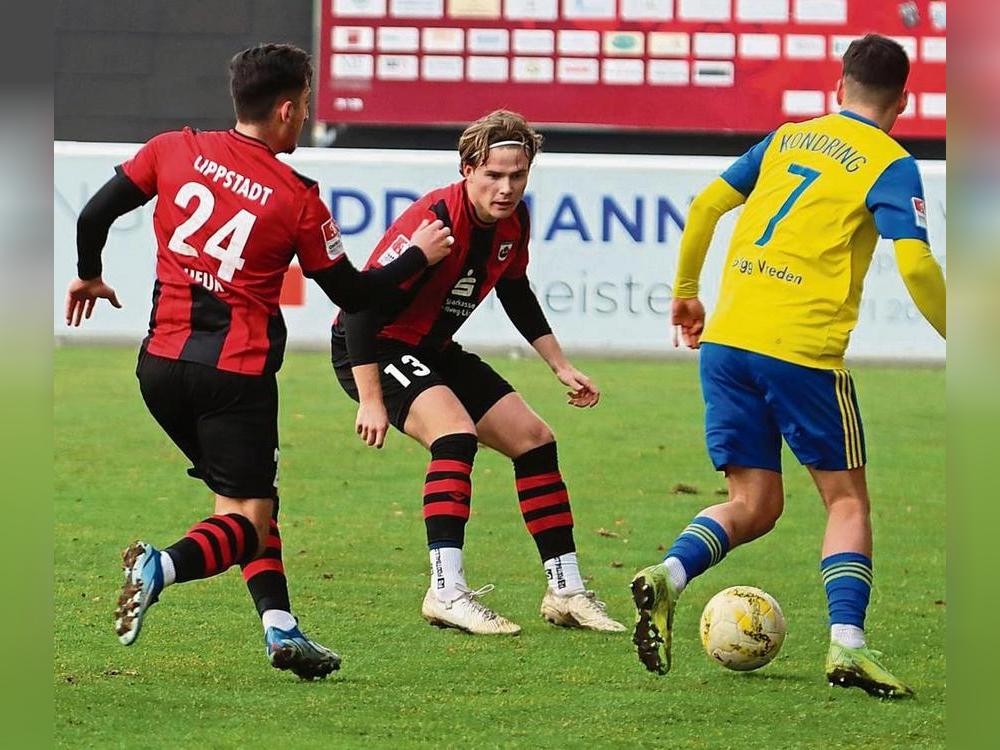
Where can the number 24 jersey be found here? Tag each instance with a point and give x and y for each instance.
(229, 219)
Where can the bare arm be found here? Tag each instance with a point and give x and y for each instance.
(583, 392)
(372, 423)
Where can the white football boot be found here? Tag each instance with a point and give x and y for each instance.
(467, 613)
(581, 610)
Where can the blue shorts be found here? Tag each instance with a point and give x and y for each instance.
(752, 401)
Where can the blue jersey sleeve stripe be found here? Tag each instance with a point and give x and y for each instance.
(896, 200)
(742, 174)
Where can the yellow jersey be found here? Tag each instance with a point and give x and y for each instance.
(818, 194)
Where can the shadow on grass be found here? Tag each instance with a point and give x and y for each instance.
(775, 677)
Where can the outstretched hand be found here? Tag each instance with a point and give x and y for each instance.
(81, 297)
(583, 392)
(689, 316)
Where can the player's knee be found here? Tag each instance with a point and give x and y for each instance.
(259, 514)
(537, 433)
(462, 429)
(456, 426)
(761, 516)
(768, 519)
(429, 435)
(461, 445)
(263, 530)
(262, 527)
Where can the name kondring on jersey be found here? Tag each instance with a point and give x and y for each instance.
(232, 180)
(820, 143)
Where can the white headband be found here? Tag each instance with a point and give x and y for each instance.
(508, 143)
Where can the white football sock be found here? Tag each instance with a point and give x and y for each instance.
(278, 618)
(563, 574)
(678, 576)
(167, 565)
(447, 575)
(850, 636)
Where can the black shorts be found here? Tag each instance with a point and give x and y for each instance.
(407, 371)
(224, 422)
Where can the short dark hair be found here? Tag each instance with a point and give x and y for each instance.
(879, 64)
(258, 76)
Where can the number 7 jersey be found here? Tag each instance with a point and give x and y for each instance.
(818, 195)
(229, 219)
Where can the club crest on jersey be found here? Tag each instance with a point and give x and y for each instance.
(394, 250)
(331, 238)
(920, 212)
(504, 251)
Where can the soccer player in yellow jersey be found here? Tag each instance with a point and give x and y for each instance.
(816, 195)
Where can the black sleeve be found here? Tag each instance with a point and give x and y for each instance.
(521, 306)
(117, 197)
(360, 330)
(352, 290)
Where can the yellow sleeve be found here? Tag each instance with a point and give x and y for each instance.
(705, 212)
(924, 280)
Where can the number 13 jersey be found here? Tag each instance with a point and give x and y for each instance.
(818, 195)
(229, 219)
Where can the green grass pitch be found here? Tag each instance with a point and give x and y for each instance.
(354, 551)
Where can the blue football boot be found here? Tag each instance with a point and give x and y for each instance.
(143, 584)
(291, 649)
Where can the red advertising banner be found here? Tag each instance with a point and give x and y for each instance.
(681, 65)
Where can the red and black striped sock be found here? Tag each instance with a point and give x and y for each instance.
(212, 546)
(544, 501)
(448, 489)
(265, 576)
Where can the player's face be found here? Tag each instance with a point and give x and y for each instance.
(496, 187)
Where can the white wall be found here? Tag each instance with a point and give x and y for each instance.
(605, 286)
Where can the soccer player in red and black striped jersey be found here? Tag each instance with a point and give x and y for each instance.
(229, 219)
(399, 361)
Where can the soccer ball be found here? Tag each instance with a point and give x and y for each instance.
(742, 628)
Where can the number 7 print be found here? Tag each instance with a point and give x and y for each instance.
(808, 177)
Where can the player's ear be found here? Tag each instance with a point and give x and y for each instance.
(285, 110)
(467, 170)
(840, 91)
(904, 99)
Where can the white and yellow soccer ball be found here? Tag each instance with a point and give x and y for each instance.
(742, 628)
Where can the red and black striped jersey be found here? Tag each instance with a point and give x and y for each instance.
(229, 219)
(433, 304)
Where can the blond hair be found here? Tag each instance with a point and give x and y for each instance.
(496, 127)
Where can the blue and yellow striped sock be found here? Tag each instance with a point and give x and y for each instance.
(847, 578)
(702, 544)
